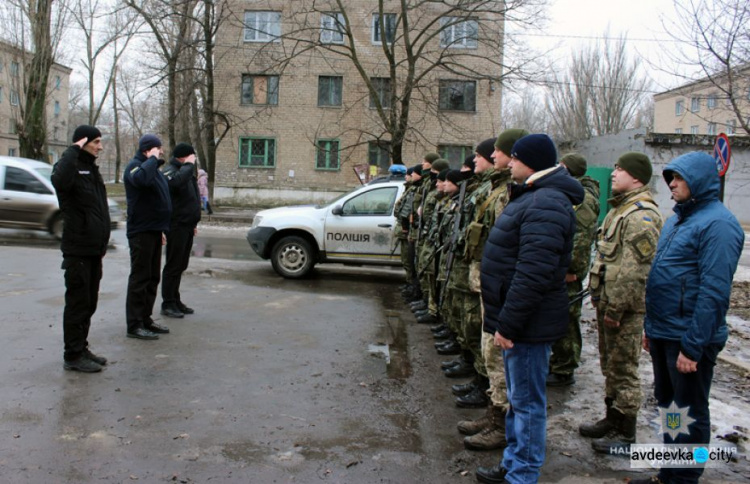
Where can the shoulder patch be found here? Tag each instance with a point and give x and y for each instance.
(644, 247)
(135, 169)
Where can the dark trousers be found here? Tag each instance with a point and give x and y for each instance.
(145, 266)
(685, 390)
(82, 276)
(179, 246)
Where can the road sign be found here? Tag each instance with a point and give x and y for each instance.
(722, 153)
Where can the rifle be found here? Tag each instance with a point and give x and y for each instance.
(432, 256)
(580, 296)
(453, 243)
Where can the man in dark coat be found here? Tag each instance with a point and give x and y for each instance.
(525, 297)
(186, 213)
(149, 212)
(83, 203)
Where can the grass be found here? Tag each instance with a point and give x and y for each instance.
(115, 190)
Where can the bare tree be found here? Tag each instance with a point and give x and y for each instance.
(600, 93)
(714, 44)
(527, 110)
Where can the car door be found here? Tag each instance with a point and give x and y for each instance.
(363, 228)
(24, 199)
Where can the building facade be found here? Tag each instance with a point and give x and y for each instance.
(701, 108)
(305, 124)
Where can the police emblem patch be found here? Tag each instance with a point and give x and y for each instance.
(674, 420)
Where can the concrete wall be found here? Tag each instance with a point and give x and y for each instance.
(604, 151)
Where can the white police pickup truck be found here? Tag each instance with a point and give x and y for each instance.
(355, 228)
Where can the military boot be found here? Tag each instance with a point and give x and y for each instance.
(471, 427)
(618, 440)
(492, 436)
(599, 429)
(464, 369)
(448, 363)
(461, 389)
(477, 398)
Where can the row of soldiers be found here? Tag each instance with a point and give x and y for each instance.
(443, 221)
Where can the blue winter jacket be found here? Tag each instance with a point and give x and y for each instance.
(147, 193)
(526, 257)
(688, 288)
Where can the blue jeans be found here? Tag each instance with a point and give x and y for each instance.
(526, 367)
(685, 390)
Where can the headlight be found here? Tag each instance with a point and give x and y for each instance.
(256, 221)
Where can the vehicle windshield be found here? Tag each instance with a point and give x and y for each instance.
(45, 171)
(338, 198)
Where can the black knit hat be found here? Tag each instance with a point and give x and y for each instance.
(469, 161)
(417, 170)
(147, 142)
(443, 174)
(508, 138)
(86, 131)
(182, 150)
(409, 170)
(537, 151)
(454, 176)
(575, 163)
(637, 164)
(486, 148)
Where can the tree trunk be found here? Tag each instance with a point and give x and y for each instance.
(209, 129)
(118, 158)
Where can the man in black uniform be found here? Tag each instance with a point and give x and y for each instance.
(83, 202)
(186, 213)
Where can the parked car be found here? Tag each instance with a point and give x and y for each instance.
(355, 228)
(28, 199)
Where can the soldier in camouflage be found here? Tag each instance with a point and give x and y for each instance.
(626, 245)
(402, 211)
(414, 292)
(566, 353)
(424, 212)
(488, 431)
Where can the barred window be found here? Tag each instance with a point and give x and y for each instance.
(327, 157)
(330, 90)
(382, 87)
(458, 95)
(260, 90)
(257, 152)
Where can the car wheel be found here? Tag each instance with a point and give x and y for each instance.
(56, 226)
(292, 257)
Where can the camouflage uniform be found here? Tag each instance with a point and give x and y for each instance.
(429, 195)
(625, 248)
(445, 233)
(566, 353)
(401, 231)
(429, 253)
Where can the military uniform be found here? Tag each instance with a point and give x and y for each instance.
(566, 353)
(430, 255)
(401, 231)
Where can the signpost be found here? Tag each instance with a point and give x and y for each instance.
(722, 154)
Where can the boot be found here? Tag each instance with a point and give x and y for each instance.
(618, 440)
(460, 371)
(448, 363)
(421, 312)
(477, 398)
(443, 334)
(438, 328)
(599, 429)
(450, 347)
(418, 306)
(427, 319)
(492, 475)
(491, 437)
(461, 389)
(471, 427)
(560, 380)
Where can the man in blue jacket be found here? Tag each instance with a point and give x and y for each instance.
(149, 212)
(687, 297)
(525, 296)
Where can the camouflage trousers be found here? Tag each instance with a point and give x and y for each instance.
(466, 311)
(619, 352)
(447, 312)
(406, 261)
(566, 352)
(494, 370)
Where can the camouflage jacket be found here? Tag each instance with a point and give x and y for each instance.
(478, 189)
(428, 206)
(416, 202)
(625, 247)
(587, 215)
(445, 232)
(427, 255)
(402, 212)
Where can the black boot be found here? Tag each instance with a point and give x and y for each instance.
(427, 319)
(450, 348)
(492, 475)
(618, 440)
(478, 397)
(443, 334)
(438, 328)
(461, 389)
(463, 370)
(599, 429)
(448, 363)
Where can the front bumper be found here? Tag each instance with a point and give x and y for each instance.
(258, 238)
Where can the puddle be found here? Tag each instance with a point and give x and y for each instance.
(392, 346)
(380, 349)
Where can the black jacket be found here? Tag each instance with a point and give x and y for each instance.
(149, 204)
(183, 189)
(83, 202)
(526, 257)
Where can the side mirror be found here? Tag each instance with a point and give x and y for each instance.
(337, 210)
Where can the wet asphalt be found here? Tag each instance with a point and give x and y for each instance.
(325, 379)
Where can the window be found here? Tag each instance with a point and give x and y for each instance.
(11, 152)
(458, 96)
(262, 27)
(57, 108)
(388, 30)
(19, 180)
(14, 69)
(379, 154)
(58, 81)
(327, 157)
(257, 152)
(12, 128)
(330, 90)
(694, 129)
(711, 101)
(695, 105)
(458, 33)
(382, 86)
(678, 130)
(374, 202)
(679, 107)
(260, 90)
(13, 98)
(731, 125)
(456, 154)
(332, 28)
(711, 128)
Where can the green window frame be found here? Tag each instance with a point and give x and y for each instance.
(257, 152)
(456, 154)
(327, 155)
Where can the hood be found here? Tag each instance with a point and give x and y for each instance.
(559, 179)
(698, 169)
(287, 211)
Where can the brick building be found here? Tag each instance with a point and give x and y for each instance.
(304, 126)
(12, 95)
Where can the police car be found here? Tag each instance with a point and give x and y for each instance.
(355, 228)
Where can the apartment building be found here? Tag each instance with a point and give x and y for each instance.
(12, 95)
(701, 108)
(304, 123)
